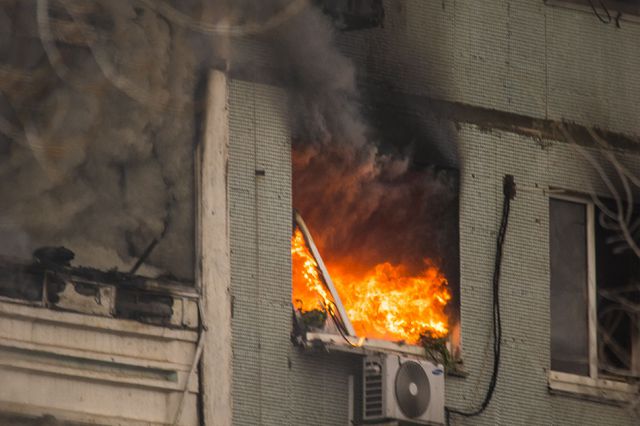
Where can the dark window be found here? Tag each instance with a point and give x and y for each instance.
(618, 304)
(608, 285)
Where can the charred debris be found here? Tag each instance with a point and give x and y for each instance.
(50, 281)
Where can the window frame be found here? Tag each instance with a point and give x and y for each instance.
(355, 343)
(591, 386)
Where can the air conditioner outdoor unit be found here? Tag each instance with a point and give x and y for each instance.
(404, 389)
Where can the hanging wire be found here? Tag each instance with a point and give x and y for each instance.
(509, 192)
(600, 17)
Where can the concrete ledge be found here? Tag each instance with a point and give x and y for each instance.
(602, 390)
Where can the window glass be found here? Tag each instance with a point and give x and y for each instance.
(569, 297)
(618, 275)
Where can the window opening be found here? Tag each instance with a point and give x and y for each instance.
(595, 292)
(388, 303)
(384, 217)
(618, 303)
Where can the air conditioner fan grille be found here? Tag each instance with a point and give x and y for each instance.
(373, 404)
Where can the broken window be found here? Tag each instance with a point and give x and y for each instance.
(379, 194)
(595, 303)
(388, 303)
(373, 272)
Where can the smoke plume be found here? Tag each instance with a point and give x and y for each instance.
(102, 158)
(364, 199)
(99, 105)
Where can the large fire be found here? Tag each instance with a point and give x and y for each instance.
(309, 291)
(385, 302)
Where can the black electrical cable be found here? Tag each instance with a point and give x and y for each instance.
(595, 12)
(330, 309)
(344, 336)
(509, 192)
(340, 325)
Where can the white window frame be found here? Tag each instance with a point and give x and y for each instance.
(591, 386)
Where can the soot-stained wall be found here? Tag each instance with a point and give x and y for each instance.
(97, 138)
(273, 382)
(522, 395)
(515, 56)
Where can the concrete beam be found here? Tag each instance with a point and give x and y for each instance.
(213, 249)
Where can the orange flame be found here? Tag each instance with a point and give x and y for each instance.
(309, 291)
(389, 303)
(386, 302)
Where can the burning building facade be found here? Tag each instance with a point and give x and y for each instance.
(496, 81)
(391, 140)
